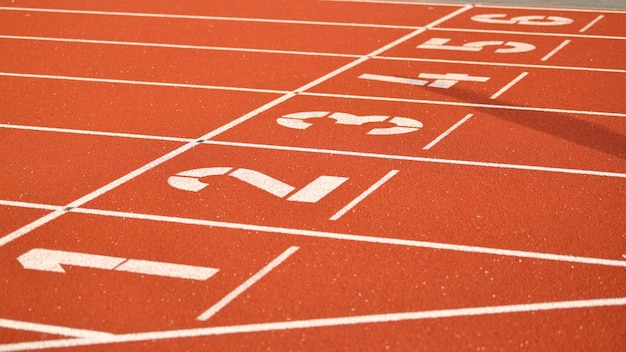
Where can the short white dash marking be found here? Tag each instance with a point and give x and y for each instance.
(556, 50)
(596, 20)
(247, 284)
(364, 195)
(448, 131)
(508, 86)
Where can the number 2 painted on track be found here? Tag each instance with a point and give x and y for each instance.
(532, 20)
(311, 193)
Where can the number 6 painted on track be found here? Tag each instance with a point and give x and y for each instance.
(311, 193)
(402, 124)
(533, 20)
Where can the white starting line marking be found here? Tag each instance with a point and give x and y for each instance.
(51, 260)
(247, 284)
(364, 195)
(508, 86)
(556, 50)
(447, 132)
(321, 323)
(596, 20)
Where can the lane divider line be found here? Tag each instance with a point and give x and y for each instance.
(176, 46)
(324, 323)
(319, 94)
(199, 17)
(304, 53)
(360, 238)
(206, 315)
(334, 151)
(425, 159)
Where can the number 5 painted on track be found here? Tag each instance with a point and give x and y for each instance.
(510, 47)
(311, 193)
(533, 20)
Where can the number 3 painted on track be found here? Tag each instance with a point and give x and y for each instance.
(402, 124)
(523, 20)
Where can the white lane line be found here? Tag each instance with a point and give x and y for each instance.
(333, 95)
(364, 195)
(96, 133)
(509, 85)
(460, 103)
(198, 17)
(448, 131)
(12, 203)
(502, 64)
(567, 35)
(142, 83)
(324, 322)
(51, 329)
(176, 46)
(426, 160)
(247, 284)
(306, 53)
(359, 238)
(556, 50)
(331, 151)
(574, 10)
(590, 24)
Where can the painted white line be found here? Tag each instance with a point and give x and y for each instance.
(448, 131)
(51, 329)
(364, 195)
(197, 17)
(575, 10)
(97, 133)
(590, 24)
(358, 238)
(324, 322)
(141, 83)
(460, 103)
(556, 50)
(177, 46)
(502, 64)
(31, 226)
(509, 85)
(426, 160)
(302, 92)
(247, 284)
(567, 35)
(12, 203)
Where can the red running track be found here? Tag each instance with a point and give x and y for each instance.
(311, 175)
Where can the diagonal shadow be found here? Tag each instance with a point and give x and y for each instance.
(564, 126)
